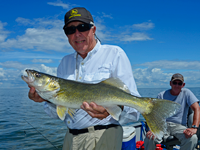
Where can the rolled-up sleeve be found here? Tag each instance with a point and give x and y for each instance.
(50, 109)
(128, 115)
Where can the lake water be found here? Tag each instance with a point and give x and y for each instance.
(25, 126)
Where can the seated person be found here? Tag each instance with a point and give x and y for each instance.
(177, 124)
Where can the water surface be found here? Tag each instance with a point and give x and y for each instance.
(25, 126)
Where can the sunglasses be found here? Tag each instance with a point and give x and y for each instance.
(175, 83)
(80, 28)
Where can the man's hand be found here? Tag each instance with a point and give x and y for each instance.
(150, 135)
(189, 132)
(33, 95)
(94, 110)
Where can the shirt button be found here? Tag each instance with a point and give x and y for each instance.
(80, 77)
(68, 122)
(82, 63)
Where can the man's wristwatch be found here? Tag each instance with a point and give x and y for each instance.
(195, 127)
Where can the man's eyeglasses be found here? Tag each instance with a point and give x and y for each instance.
(175, 83)
(80, 28)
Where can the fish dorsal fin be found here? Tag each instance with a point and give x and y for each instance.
(116, 82)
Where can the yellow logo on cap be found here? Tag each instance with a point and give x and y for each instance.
(74, 12)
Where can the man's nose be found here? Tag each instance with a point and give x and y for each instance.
(77, 33)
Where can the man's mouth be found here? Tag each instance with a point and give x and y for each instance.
(80, 41)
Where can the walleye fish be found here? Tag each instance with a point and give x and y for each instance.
(69, 95)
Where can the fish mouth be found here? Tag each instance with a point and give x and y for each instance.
(28, 79)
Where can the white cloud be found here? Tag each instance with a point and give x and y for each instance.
(48, 70)
(158, 73)
(176, 65)
(4, 33)
(151, 77)
(42, 60)
(104, 15)
(41, 68)
(144, 26)
(13, 55)
(24, 21)
(137, 36)
(59, 3)
(13, 65)
(135, 32)
(2, 72)
(102, 32)
(10, 76)
(44, 36)
(148, 76)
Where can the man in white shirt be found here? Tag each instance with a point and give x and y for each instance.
(92, 127)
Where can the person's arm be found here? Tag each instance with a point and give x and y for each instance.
(195, 108)
(191, 131)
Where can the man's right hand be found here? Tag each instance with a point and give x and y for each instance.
(33, 95)
(150, 135)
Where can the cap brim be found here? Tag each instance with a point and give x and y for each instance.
(177, 79)
(81, 20)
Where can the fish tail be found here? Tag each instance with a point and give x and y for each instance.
(156, 118)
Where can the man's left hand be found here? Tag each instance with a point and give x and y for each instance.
(94, 110)
(189, 132)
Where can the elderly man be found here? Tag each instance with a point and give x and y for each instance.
(92, 126)
(176, 125)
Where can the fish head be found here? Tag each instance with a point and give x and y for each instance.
(41, 81)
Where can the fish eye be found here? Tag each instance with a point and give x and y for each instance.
(37, 75)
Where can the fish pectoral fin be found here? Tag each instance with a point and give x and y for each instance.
(61, 111)
(71, 112)
(114, 111)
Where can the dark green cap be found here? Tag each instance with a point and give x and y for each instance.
(78, 14)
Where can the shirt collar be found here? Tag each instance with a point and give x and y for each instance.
(92, 52)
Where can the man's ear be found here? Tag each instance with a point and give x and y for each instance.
(94, 29)
(183, 84)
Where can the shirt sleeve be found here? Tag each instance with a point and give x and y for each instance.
(123, 71)
(159, 96)
(50, 109)
(191, 98)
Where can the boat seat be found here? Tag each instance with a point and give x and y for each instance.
(171, 141)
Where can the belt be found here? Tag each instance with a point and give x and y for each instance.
(98, 127)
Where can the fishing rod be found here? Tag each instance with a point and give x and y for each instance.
(41, 134)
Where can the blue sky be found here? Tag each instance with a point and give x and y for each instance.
(160, 37)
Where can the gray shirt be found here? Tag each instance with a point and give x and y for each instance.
(186, 98)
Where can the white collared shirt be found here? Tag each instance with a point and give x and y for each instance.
(103, 62)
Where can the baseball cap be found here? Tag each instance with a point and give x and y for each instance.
(78, 14)
(177, 76)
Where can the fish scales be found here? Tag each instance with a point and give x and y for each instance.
(102, 94)
(68, 95)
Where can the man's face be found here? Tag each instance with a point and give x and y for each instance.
(82, 42)
(176, 85)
